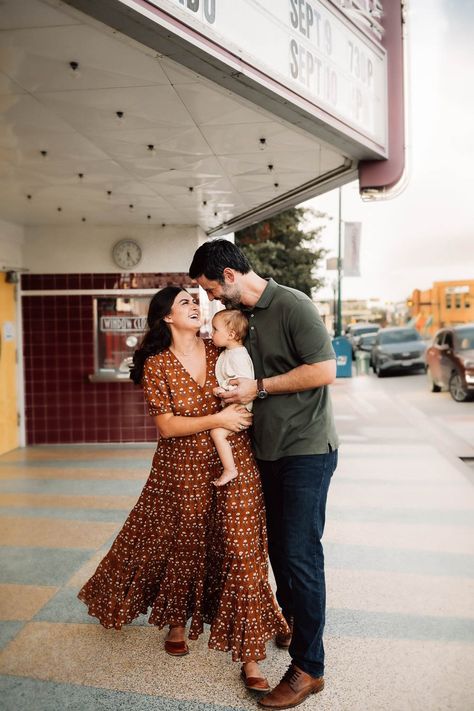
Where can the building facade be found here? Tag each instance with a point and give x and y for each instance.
(447, 303)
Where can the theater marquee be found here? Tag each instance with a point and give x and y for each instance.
(308, 46)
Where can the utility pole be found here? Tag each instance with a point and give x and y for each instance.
(339, 272)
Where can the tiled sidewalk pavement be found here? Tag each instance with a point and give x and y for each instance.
(400, 575)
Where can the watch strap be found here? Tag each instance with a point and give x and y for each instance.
(260, 386)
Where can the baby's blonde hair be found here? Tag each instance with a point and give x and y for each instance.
(235, 321)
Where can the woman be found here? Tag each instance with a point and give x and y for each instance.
(186, 550)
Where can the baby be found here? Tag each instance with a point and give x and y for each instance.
(229, 331)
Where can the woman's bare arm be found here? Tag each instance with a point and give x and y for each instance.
(231, 418)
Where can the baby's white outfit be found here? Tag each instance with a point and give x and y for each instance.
(234, 363)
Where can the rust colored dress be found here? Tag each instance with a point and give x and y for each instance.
(188, 550)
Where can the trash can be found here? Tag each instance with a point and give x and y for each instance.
(362, 361)
(343, 350)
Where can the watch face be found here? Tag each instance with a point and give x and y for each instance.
(127, 253)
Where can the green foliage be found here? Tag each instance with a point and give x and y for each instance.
(285, 248)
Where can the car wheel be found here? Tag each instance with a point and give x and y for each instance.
(456, 388)
(433, 387)
(377, 371)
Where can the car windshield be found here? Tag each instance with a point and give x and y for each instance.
(401, 336)
(465, 339)
(364, 329)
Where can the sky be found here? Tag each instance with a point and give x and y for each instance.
(427, 233)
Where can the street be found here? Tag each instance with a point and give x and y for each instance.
(451, 423)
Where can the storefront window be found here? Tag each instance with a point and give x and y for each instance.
(120, 323)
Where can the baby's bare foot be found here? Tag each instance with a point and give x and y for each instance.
(226, 476)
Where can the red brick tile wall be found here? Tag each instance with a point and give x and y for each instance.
(61, 405)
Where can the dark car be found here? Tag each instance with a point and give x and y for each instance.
(356, 330)
(397, 349)
(450, 361)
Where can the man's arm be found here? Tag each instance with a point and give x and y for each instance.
(303, 377)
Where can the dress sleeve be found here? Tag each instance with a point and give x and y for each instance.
(155, 388)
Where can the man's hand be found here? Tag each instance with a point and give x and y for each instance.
(244, 392)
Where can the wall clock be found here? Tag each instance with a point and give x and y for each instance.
(127, 253)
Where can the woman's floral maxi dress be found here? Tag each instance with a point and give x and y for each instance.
(188, 550)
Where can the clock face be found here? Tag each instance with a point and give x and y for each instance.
(127, 253)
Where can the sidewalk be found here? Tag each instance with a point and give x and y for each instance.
(400, 576)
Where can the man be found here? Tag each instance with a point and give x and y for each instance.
(295, 443)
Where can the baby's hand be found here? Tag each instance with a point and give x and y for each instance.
(219, 391)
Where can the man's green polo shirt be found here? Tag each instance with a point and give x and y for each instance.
(285, 331)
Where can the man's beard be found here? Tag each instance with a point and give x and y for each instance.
(231, 299)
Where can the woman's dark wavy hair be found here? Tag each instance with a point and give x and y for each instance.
(158, 336)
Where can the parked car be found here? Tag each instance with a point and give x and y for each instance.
(450, 362)
(365, 342)
(397, 348)
(354, 331)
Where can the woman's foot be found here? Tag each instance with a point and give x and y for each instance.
(252, 677)
(175, 644)
(226, 476)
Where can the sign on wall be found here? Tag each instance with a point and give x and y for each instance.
(8, 331)
(120, 325)
(306, 45)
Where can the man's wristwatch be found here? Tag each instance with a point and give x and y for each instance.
(261, 392)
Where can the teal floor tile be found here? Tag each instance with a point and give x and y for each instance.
(19, 694)
(385, 625)
(8, 630)
(394, 560)
(65, 607)
(112, 463)
(69, 514)
(40, 566)
(439, 517)
(77, 487)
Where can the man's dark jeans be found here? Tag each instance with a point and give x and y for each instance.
(295, 490)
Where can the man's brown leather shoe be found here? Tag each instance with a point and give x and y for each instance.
(292, 690)
(283, 641)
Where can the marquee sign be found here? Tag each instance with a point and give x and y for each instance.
(308, 46)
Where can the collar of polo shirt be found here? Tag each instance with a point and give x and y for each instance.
(267, 295)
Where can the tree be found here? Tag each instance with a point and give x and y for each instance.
(280, 247)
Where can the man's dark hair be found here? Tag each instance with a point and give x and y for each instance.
(213, 257)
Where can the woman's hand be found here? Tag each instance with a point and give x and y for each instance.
(235, 418)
